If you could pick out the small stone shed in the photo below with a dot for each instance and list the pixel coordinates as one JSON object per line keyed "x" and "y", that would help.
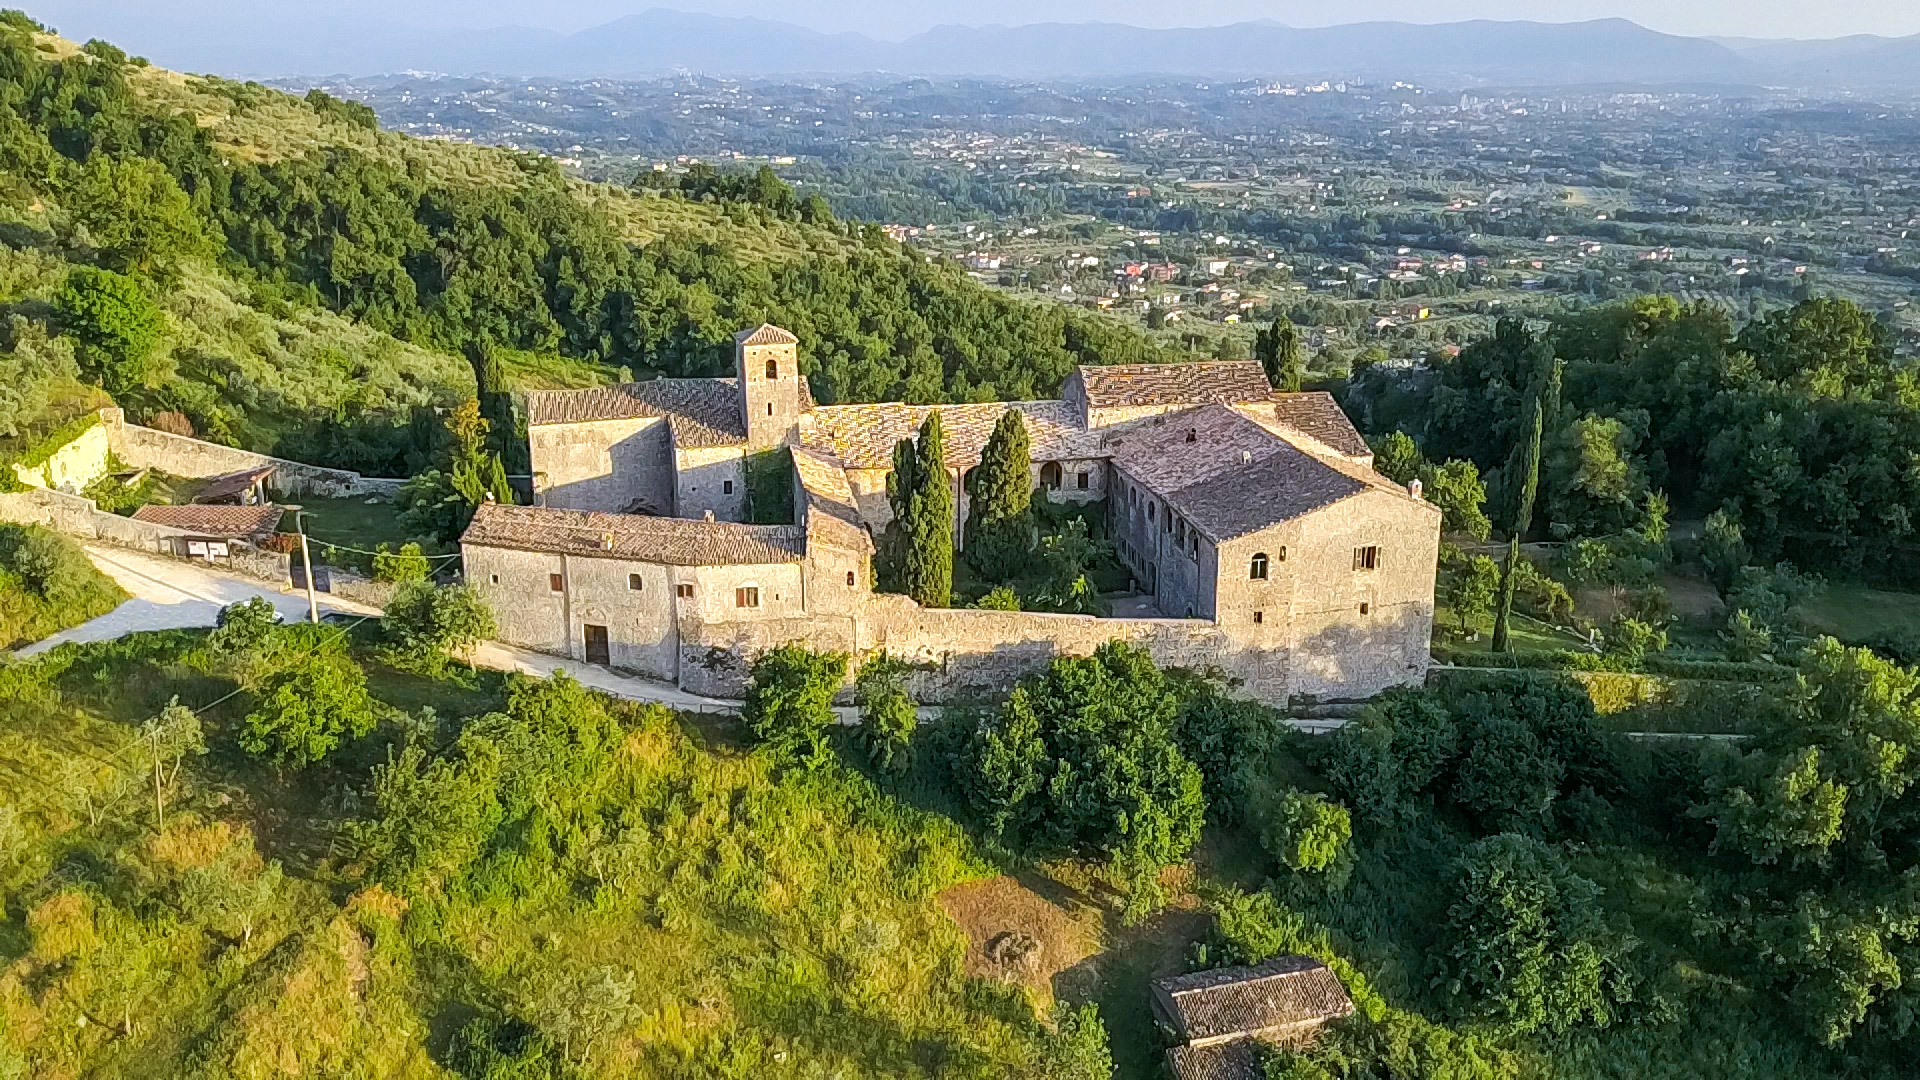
{"x": 213, "y": 528}
{"x": 1219, "y": 1018}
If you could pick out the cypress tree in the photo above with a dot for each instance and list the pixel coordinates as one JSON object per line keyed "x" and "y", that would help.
{"x": 1545, "y": 397}
{"x": 923, "y": 516}
{"x": 1279, "y": 351}
{"x": 1000, "y": 493}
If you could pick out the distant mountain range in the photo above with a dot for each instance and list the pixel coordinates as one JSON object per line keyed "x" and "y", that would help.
{"x": 663, "y": 41}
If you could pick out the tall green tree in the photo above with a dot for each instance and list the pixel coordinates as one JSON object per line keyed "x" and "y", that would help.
{"x": 118, "y": 326}
{"x": 135, "y": 214}
{"x": 922, "y": 499}
{"x": 1525, "y": 471}
{"x": 1281, "y": 352}
{"x": 1000, "y": 530}
{"x": 440, "y": 502}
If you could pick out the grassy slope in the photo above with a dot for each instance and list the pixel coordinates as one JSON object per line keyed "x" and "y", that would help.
{"x": 81, "y": 592}
{"x": 778, "y": 926}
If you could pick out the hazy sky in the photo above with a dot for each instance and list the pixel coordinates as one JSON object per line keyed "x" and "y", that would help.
{"x": 899, "y": 18}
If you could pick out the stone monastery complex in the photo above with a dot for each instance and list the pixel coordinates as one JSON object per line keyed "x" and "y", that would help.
{"x": 1252, "y": 519}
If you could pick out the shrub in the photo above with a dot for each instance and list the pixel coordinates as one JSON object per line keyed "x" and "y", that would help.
{"x": 1630, "y": 640}
{"x": 790, "y": 704}
{"x": 1081, "y": 759}
{"x": 305, "y": 712}
{"x": 1000, "y": 598}
{"x": 47, "y": 584}
{"x": 1307, "y": 833}
{"x": 429, "y": 623}
{"x": 242, "y": 628}
{"x": 1393, "y": 751}
{"x": 1527, "y": 945}
{"x": 888, "y": 715}
{"x": 401, "y": 567}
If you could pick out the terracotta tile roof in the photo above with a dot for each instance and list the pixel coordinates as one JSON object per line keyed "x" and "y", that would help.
{"x": 232, "y": 484}
{"x": 702, "y": 412}
{"x": 833, "y": 514}
{"x": 863, "y": 436}
{"x": 1237, "y": 1060}
{"x": 1212, "y": 382}
{"x": 765, "y": 334}
{"x": 1282, "y": 992}
{"x": 234, "y": 521}
{"x": 1318, "y": 415}
{"x": 1235, "y": 477}
{"x": 672, "y": 541}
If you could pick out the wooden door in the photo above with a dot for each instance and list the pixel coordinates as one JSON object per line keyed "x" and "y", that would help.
{"x": 597, "y": 645}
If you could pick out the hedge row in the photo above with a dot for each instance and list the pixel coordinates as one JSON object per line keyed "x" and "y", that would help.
{"x": 1633, "y": 701}
{"x": 1574, "y": 660}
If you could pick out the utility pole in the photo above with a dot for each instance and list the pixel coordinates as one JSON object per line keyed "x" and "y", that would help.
{"x": 306, "y": 560}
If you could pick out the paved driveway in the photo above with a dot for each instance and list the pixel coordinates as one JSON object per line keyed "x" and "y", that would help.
{"x": 169, "y": 594}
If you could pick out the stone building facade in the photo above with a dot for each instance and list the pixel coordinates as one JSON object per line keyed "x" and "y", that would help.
{"x": 1253, "y": 519}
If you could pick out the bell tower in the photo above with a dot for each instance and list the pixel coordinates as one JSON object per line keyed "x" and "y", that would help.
{"x": 766, "y": 361}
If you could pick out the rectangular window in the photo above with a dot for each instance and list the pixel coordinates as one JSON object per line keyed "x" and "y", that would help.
{"x": 557, "y": 582}
{"x": 726, "y": 487}
{"x": 634, "y": 582}
{"x": 493, "y": 579}
{"x": 849, "y": 579}
{"x": 684, "y": 592}
{"x": 1259, "y": 617}
{"x": 747, "y": 596}
{"x": 1366, "y": 558}
{"x": 1082, "y": 480}
{"x": 1365, "y": 608}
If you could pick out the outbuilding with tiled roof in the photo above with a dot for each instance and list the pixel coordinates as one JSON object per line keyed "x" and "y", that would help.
{"x": 1218, "y": 1017}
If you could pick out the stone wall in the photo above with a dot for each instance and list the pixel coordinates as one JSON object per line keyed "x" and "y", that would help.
{"x": 711, "y": 479}
{"x": 80, "y": 518}
{"x": 72, "y": 467}
{"x": 145, "y": 448}
{"x": 609, "y": 465}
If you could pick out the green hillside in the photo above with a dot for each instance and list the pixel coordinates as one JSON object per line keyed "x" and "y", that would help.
{"x": 284, "y": 275}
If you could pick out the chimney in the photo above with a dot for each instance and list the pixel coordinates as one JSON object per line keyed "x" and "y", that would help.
{"x": 1246, "y": 457}
{"x": 706, "y": 515}
{"x": 606, "y": 541}
{"x": 1414, "y": 487}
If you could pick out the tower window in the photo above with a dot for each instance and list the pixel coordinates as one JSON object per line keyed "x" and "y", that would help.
{"x": 1365, "y": 608}
{"x": 769, "y": 408}
{"x": 634, "y": 582}
{"x": 1083, "y": 479}
{"x": 1258, "y": 570}
{"x": 557, "y": 582}
{"x": 849, "y": 579}
{"x": 1193, "y": 435}
{"x": 726, "y": 487}
{"x": 773, "y": 369}
{"x": 1366, "y": 558}
{"x": 684, "y": 592}
{"x": 1259, "y": 617}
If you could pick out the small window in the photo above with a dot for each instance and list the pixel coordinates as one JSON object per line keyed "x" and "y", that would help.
{"x": 1180, "y": 532}
{"x": 1196, "y": 544}
{"x": 1149, "y": 511}
{"x": 684, "y": 592}
{"x": 769, "y": 408}
{"x": 1365, "y": 608}
{"x": 747, "y": 596}
{"x": 634, "y": 582}
{"x": 849, "y": 579}
{"x": 493, "y": 579}
{"x": 1366, "y": 558}
{"x": 773, "y": 369}
{"x": 1258, "y": 570}
{"x": 1082, "y": 481}
{"x": 1259, "y": 617}
{"x": 1283, "y": 554}
{"x": 1193, "y": 435}
{"x": 726, "y": 487}
{"x": 557, "y": 582}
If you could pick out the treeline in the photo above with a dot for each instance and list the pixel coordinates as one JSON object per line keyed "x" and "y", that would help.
{"x": 525, "y": 263}
{"x": 1797, "y": 431}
